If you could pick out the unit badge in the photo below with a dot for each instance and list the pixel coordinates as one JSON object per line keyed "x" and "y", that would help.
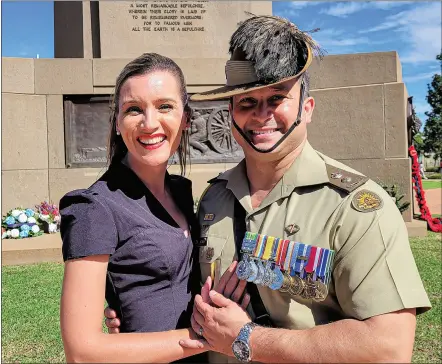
{"x": 209, "y": 253}
{"x": 367, "y": 201}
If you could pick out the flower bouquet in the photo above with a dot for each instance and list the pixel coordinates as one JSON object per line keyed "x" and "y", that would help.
{"x": 21, "y": 223}
{"x": 50, "y": 217}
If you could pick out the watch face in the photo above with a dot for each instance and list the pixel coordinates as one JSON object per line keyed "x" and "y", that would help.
{"x": 241, "y": 350}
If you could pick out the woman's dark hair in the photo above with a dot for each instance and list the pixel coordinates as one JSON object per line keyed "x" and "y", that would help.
{"x": 147, "y": 63}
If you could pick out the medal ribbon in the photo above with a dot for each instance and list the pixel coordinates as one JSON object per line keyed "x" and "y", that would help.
{"x": 275, "y": 249}
{"x": 329, "y": 266}
{"x": 288, "y": 256}
{"x": 294, "y": 258}
{"x": 313, "y": 259}
{"x": 279, "y": 250}
{"x": 249, "y": 242}
{"x": 323, "y": 264}
{"x": 283, "y": 252}
{"x": 299, "y": 261}
{"x": 258, "y": 245}
{"x": 268, "y": 248}
{"x": 305, "y": 253}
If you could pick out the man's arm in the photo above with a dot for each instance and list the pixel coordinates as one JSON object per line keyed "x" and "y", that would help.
{"x": 384, "y": 338}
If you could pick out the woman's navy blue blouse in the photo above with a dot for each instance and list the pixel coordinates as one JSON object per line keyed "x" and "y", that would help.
{"x": 152, "y": 271}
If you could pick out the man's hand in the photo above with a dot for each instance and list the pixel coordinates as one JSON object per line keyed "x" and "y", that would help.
{"x": 220, "y": 322}
{"x": 229, "y": 285}
{"x": 112, "y": 322}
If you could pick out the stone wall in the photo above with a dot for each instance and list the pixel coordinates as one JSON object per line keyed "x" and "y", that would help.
{"x": 360, "y": 119}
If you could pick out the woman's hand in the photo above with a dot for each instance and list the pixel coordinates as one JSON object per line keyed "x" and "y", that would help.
{"x": 229, "y": 286}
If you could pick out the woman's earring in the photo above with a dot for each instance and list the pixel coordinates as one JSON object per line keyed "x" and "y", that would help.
{"x": 118, "y": 132}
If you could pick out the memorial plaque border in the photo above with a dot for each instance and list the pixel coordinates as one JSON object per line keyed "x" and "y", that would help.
{"x": 211, "y": 140}
{"x": 69, "y": 102}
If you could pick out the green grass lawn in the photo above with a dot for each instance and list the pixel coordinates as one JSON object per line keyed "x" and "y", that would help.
{"x": 31, "y": 296}
{"x": 429, "y": 184}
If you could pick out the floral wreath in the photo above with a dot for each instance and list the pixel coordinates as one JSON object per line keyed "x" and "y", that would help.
{"x": 434, "y": 223}
{"x": 22, "y": 223}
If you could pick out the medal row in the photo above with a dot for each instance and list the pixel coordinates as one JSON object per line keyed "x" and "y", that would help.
{"x": 284, "y": 265}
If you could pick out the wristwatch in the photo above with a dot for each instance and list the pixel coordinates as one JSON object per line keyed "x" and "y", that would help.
{"x": 241, "y": 347}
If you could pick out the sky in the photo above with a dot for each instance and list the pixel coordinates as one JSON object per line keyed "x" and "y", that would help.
{"x": 413, "y": 29}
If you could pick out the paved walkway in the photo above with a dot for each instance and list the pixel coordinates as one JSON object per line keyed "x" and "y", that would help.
{"x": 434, "y": 200}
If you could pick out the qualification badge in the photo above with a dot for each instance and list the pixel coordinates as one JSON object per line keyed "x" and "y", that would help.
{"x": 366, "y": 201}
{"x": 209, "y": 217}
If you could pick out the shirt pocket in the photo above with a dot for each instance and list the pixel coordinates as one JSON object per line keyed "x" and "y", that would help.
{"x": 210, "y": 257}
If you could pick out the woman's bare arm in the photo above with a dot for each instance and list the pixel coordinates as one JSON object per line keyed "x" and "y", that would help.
{"x": 81, "y": 313}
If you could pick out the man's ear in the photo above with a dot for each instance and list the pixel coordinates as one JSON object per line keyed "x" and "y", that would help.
{"x": 309, "y": 106}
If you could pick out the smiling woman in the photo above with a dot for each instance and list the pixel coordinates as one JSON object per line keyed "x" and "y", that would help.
{"x": 127, "y": 238}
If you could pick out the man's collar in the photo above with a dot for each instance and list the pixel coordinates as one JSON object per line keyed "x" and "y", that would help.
{"x": 307, "y": 170}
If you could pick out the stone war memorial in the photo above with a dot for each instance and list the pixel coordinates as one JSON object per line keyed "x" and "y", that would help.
{"x": 63, "y": 123}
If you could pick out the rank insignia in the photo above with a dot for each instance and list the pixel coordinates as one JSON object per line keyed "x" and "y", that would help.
{"x": 336, "y": 175}
{"x": 366, "y": 201}
{"x": 209, "y": 217}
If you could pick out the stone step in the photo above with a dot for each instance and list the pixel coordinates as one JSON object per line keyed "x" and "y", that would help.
{"x": 44, "y": 248}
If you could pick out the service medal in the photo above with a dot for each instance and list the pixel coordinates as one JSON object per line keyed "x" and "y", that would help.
{"x": 321, "y": 291}
{"x": 268, "y": 275}
{"x": 286, "y": 283}
{"x": 278, "y": 278}
{"x": 309, "y": 291}
{"x": 260, "y": 276}
{"x": 253, "y": 271}
{"x": 243, "y": 268}
{"x": 297, "y": 286}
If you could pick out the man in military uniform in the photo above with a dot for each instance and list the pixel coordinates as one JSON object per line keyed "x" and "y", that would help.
{"x": 365, "y": 309}
{"x": 286, "y": 189}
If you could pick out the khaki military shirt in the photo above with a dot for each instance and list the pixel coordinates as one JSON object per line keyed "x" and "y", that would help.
{"x": 374, "y": 271}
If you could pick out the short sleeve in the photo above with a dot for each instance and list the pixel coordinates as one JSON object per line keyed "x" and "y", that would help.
{"x": 87, "y": 226}
{"x": 375, "y": 272}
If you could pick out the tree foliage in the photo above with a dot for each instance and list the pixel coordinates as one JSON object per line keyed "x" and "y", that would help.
{"x": 418, "y": 142}
{"x": 432, "y": 133}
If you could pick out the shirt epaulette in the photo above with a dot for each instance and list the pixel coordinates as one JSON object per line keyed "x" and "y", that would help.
{"x": 344, "y": 180}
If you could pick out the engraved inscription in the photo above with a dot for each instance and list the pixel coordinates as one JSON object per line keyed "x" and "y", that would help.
{"x": 167, "y": 16}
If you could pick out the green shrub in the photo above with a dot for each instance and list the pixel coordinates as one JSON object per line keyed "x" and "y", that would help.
{"x": 434, "y": 176}
{"x": 432, "y": 169}
{"x": 393, "y": 191}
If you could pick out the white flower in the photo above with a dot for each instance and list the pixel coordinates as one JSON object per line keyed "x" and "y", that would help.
{"x": 22, "y": 218}
{"x": 44, "y": 217}
{"x": 35, "y": 229}
{"x": 32, "y": 220}
{"x": 4, "y": 235}
{"x": 8, "y": 232}
{"x": 15, "y": 233}
{"x": 57, "y": 218}
{"x": 52, "y": 228}
{"x": 15, "y": 213}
